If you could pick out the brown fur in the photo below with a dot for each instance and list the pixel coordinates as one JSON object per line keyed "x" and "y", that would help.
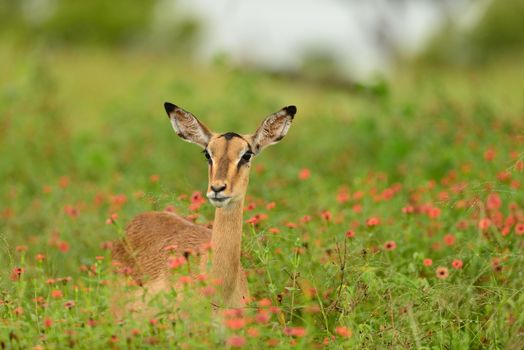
{"x": 143, "y": 249}
{"x": 147, "y": 236}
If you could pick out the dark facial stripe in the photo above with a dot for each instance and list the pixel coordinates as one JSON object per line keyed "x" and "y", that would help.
{"x": 230, "y": 135}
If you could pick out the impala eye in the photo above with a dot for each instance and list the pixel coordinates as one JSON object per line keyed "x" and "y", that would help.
{"x": 247, "y": 156}
{"x": 207, "y": 155}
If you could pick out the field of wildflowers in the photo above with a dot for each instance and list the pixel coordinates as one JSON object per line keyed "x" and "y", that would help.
{"x": 389, "y": 217}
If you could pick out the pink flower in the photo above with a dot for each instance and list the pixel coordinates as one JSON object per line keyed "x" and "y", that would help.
{"x": 176, "y": 262}
{"x": 408, "y": 209}
{"x": 442, "y": 272}
{"x": 236, "y": 341}
{"x": 484, "y": 223}
{"x": 295, "y": 331}
{"x": 185, "y": 279}
{"x": 262, "y": 317}
{"x": 390, "y": 245}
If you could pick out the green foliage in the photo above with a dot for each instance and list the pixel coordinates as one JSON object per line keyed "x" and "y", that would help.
{"x": 83, "y": 136}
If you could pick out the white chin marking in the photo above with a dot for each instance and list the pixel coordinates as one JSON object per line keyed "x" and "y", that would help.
{"x": 220, "y": 204}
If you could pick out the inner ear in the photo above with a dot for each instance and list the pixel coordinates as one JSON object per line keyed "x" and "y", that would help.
{"x": 273, "y": 128}
{"x": 187, "y": 126}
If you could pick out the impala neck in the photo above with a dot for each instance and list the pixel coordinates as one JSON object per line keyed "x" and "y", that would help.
{"x": 226, "y": 241}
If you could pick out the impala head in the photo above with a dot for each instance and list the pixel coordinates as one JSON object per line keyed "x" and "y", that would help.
{"x": 229, "y": 154}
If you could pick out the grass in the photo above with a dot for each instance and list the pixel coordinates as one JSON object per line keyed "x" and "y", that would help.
{"x": 429, "y": 166}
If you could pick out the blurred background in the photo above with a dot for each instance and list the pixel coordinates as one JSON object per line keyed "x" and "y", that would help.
{"x": 334, "y": 40}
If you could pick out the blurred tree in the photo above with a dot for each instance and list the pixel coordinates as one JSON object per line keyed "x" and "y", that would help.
{"x": 79, "y": 22}
{"x": 98, "y": 21}
{"x": 499, "y": 32}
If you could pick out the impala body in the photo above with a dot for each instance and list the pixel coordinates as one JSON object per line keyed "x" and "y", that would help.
{"x": 145, "y": 248}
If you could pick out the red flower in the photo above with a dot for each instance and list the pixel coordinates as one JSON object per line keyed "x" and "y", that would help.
{"x": 185, "y": 279}
{"x": 449, "y": 239}
{"x": 262, "y": 317}
{"x": 16, "y": 273}
{"x": 63, "y": 181}
{"x": 235, "y": 323}
{"x": 326, "y": 215}
{"x": 493, "y": 202}
{"x": 434, "y": 212}
{"x": 71, "y": 211}
{"x": 373, "y": 221}
{"x": 63, "y": 246}
{"x": 427, "y": 262}
{"x": 350, "y": 234}
{"x": 343, "y": 196}
{"x": 305, "y": 219}
{"x": 40, "y": 257}
{"x": 519, "y": 229}
{"x": 291, "y": 224}
{"x": 48, "y": 322}
{"x": 496, "y": 264}
{"x": 457, "y": 264}
{"x": 489, "y": 155}
{"x": 265, "y": 302}
{"x": 253, "y": 332}
{"x": 343, "y": 331}
{"x": 254, "y": 220}
{"x": 304, "y": 174}
{"x": 57, "y": 294}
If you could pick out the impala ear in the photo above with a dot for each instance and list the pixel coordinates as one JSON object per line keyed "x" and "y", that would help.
{"x": 187, "y": 126}
{"x": 273, "y": 128}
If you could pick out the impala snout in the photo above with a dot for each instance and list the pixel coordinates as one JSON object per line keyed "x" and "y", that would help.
{"x": 217, "y": 188}
{"x": 218, "y": 195}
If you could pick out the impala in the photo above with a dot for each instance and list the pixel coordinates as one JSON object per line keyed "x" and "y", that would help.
{"x": 145, "y": 248}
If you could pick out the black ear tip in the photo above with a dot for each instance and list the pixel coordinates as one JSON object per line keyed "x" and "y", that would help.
{"x": 291, "y": 110}
{"x": 169, "y": 107}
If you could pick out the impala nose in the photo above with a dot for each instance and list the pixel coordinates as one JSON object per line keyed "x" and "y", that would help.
{"x": 218, "y": 188}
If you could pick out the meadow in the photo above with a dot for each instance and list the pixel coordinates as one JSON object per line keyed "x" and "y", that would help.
{"x": 390, "y": 216}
